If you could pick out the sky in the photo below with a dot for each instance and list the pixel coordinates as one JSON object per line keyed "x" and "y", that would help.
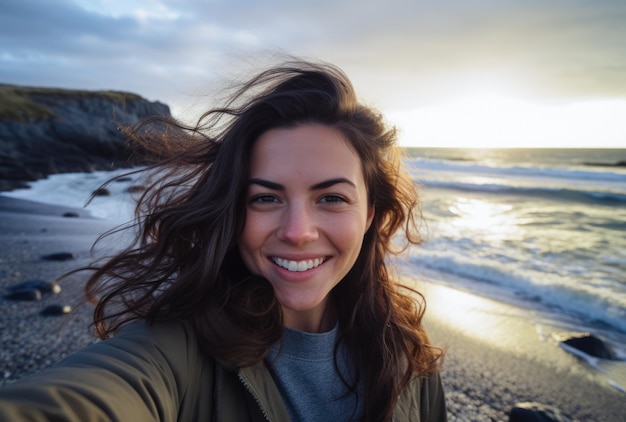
{"x": 447, "y": 73}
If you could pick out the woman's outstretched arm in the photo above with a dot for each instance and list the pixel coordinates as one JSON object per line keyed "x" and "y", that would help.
{"x": 142, "y": 374}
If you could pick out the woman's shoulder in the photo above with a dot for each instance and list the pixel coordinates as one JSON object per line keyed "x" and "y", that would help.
{"x": 173, "y": 342}
{"x": 156, "y": 334}
{"x": 161, "y": 350}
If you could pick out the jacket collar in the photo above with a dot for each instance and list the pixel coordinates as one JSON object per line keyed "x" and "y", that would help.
{"x": 260, "y": 383}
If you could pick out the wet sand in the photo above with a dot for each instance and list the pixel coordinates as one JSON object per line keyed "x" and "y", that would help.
{"x": 497, "y": 355}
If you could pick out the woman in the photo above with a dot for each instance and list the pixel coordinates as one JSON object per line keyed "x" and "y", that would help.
{"x": 257, "y": 286}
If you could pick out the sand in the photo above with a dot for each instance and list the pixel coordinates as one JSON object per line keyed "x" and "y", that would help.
{"x": 497, "y": 354}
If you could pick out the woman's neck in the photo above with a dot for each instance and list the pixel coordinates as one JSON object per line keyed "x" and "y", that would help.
{"x": 319, "y": 320}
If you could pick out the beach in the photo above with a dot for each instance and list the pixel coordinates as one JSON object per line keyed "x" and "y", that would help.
{"x": 28, "y": 232}
{"x": 496, "y": 356}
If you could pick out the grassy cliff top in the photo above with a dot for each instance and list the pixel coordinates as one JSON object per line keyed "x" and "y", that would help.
{"x": 16, "y": 102}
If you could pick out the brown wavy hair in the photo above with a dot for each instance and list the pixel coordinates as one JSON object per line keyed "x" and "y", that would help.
{"x": 184, "y": 261}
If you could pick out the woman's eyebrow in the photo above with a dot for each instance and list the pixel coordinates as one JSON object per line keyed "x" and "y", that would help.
{"x": 265, "y": 184}
{"x": 332, "y": 182}
{"x": 318, "y": 186}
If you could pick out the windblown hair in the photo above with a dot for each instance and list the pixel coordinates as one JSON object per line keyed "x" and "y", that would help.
{"x": 184, "y": 262}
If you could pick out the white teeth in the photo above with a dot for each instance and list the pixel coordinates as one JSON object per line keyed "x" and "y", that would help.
{"x": 298, "y": 265}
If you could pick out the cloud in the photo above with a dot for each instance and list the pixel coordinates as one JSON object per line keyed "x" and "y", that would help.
{"x": 398, "y": 52}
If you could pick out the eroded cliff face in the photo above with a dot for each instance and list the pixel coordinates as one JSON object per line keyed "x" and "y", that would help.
{"x": 45, "y": 131}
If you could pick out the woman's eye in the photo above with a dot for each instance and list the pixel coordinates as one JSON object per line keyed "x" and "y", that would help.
{"x": 264, "y": 199}
{"x": 332, "y": 199}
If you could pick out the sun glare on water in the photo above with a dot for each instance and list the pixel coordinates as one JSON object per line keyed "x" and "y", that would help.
{"x": 490, "y": 219}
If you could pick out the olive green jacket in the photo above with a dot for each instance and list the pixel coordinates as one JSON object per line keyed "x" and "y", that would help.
{"x": 158, "y": 373}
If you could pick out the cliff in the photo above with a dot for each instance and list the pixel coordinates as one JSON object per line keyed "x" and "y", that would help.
{"x": 45, "y": 131}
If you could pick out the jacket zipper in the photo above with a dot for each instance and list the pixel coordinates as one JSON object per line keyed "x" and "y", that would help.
{"x": 256, "y": 398}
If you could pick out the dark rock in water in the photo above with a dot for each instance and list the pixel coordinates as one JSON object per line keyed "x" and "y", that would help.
{"x": 41, "y": 285}
{"x": 536, "y": 412}
{"x": 25, "y": 294}
{"x": 71, "y": 215}
{"x": 592, "y": 346}
{"x": 56, "y": 310}
{"x": 101, "y": 192}
{"x": 60, "y": 256}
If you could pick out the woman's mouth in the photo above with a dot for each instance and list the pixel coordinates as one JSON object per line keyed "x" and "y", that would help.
{"x": 298, "y": 266}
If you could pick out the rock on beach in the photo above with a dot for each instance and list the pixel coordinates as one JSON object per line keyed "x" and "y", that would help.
{"x": 591, "y": 346}
{"x": 536, "y": 412}
{"x": 32, "y": 290}
{"x": 59, "y": 256}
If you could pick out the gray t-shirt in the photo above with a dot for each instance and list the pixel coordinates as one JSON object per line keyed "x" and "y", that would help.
{"x": 306, "y": 376}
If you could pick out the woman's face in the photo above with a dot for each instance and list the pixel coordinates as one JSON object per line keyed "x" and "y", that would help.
{"x": 306, "y": 214}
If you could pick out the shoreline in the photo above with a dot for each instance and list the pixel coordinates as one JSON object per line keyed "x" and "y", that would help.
{"x": 497, "y": 354}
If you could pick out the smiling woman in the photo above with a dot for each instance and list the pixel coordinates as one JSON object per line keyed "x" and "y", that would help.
{"x": 258, "y": 273}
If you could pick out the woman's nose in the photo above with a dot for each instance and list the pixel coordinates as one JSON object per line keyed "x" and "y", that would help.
{"x": 298, "y": 225}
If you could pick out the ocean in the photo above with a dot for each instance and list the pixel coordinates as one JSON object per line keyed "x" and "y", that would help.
{"x": 542, "y": 228}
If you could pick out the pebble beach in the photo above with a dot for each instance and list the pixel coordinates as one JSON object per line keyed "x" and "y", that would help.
{"x": 495, "y": 356}
{"x": 28, "y": 232}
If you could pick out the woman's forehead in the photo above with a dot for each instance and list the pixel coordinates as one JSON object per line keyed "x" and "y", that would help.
{"x": 312, "y": 149}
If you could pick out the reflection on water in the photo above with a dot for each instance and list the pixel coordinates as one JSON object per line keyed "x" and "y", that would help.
{"x": 569, "y": 256}
{"x": 490, "y": 218}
